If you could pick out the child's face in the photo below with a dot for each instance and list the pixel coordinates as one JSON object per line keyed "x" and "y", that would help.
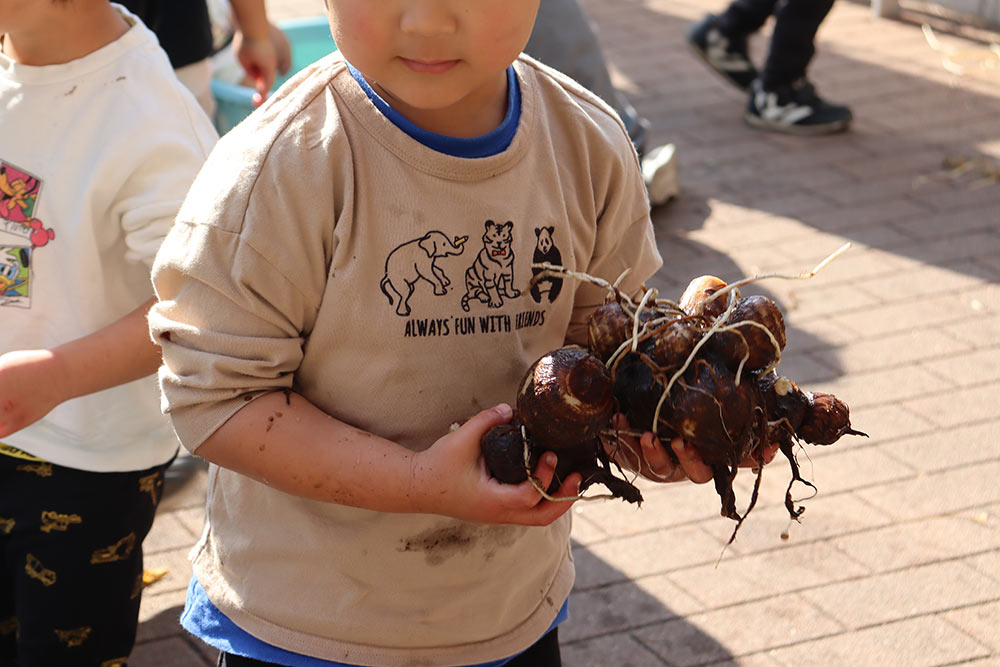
{"x": 441, "y": 63}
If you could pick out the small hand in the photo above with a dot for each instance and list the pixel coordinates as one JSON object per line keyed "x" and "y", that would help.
{"x": 259, "y": 60}
{"x": 455, "y": 480}
{"x": 651, "y": 459}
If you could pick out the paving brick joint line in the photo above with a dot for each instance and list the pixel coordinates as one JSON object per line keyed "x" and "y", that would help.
{"x": 897, "y": 561}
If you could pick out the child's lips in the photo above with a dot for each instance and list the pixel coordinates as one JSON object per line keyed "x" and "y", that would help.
{"x": 422, "y": 66}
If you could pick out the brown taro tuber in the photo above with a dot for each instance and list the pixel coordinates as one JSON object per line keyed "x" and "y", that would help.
{"x": 566, "y": 399}
{"x": 720, "y": 392}
{"x": 702, "y": 368}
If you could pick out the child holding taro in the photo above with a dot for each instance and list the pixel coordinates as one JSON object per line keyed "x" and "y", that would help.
{"x": 99, "y": 143}
{"x": 347, "y": 277}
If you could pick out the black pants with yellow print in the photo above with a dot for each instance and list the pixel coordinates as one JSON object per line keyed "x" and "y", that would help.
{"x": 71, "y": 551}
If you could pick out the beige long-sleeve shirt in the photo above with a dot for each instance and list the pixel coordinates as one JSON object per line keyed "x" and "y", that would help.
{"x": 324, "y": 250}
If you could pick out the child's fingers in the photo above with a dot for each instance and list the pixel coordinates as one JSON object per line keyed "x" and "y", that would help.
{"x": 768, "y": 452}
{"x": 487, "y": 419}
{"x": 619, "y": 421}
{"x": 547, "y": 511}
{"x": 260, "y": 84}
{"x": 545, "y": 470}
{"x": 658, "y": 459}
{"x": 525, "y": 505}
{"x": 693, "y": 466}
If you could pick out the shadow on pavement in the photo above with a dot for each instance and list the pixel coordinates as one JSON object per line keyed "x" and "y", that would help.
{"x": 162, "y": 643}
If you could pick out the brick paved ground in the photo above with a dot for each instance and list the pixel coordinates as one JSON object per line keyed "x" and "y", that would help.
{"x": 897, "y": 560}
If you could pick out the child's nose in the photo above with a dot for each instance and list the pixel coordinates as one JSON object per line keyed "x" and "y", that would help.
{"x": 429, "y": 18}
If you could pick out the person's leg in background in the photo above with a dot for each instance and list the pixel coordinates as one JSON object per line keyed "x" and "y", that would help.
{"x": 745, "y": 17}
{"x": 721, "y": 40}
{"x": 780, "y": 97}
{"x": 793, "y": 41}
{"x": 72, "y": 554}
{"x": 565, "y": 39}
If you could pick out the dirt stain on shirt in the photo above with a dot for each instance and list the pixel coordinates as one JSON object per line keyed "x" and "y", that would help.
{"x": 440, "y": 544}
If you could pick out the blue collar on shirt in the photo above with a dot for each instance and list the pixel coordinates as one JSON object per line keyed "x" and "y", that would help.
{"x": 492, "y": 143}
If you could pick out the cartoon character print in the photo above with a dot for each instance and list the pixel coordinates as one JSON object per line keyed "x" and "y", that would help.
{"x": 19, "y": 192}
{"x": 14, "y": 276}
{"x": 18, "y": 197}
{"x": 491, "y": 276}
{"x": 416, "y": 260}
{"x": 545, "y": 252}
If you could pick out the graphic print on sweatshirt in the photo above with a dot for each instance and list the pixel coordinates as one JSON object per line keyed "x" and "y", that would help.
{"x": 493, "y": 281}
{"x": 415, "y": 261}
{"x": 490, "y": 279}
{"x": 20, "y": 233}
{"x": 546, "y": 252}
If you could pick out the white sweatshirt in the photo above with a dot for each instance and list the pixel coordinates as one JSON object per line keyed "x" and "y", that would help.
{"x": 96, "y": 156}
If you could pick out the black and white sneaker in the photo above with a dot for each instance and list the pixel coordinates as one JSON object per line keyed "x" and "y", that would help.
{"x": 794, "y": 109}
{"x": 725, "y": 55}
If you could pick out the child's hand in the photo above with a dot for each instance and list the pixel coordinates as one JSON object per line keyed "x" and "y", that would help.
{"x": 29, "y": 388}
{"x": 648, "y": 457}
{"x": 456, "y": 483}
{"x": 651, "y": 459}
{"x": 259, "y": 60}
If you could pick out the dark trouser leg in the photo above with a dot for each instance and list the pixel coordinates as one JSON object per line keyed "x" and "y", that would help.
{"x": 231, "y": 660}
{"x": 74, "y": 557}
{"x": 745, "y": 17}
{"x": 543, "y": 653}
{"x": 793, "y": 41}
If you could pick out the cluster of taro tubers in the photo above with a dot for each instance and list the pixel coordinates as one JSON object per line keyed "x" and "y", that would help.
{"x": 701, "y": 368}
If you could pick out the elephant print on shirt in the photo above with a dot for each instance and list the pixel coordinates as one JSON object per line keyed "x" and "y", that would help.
{"x": 416, "y": 260}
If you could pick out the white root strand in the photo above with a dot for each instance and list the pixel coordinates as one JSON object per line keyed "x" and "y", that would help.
{"x": 554, "y": 270}
{"x": 543, "y": 492}
{"x": 639, "y": 457}
{"x": 619, "y": 279}
{"x": 784, "y": 276}
{"x": 635, "y": 318}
